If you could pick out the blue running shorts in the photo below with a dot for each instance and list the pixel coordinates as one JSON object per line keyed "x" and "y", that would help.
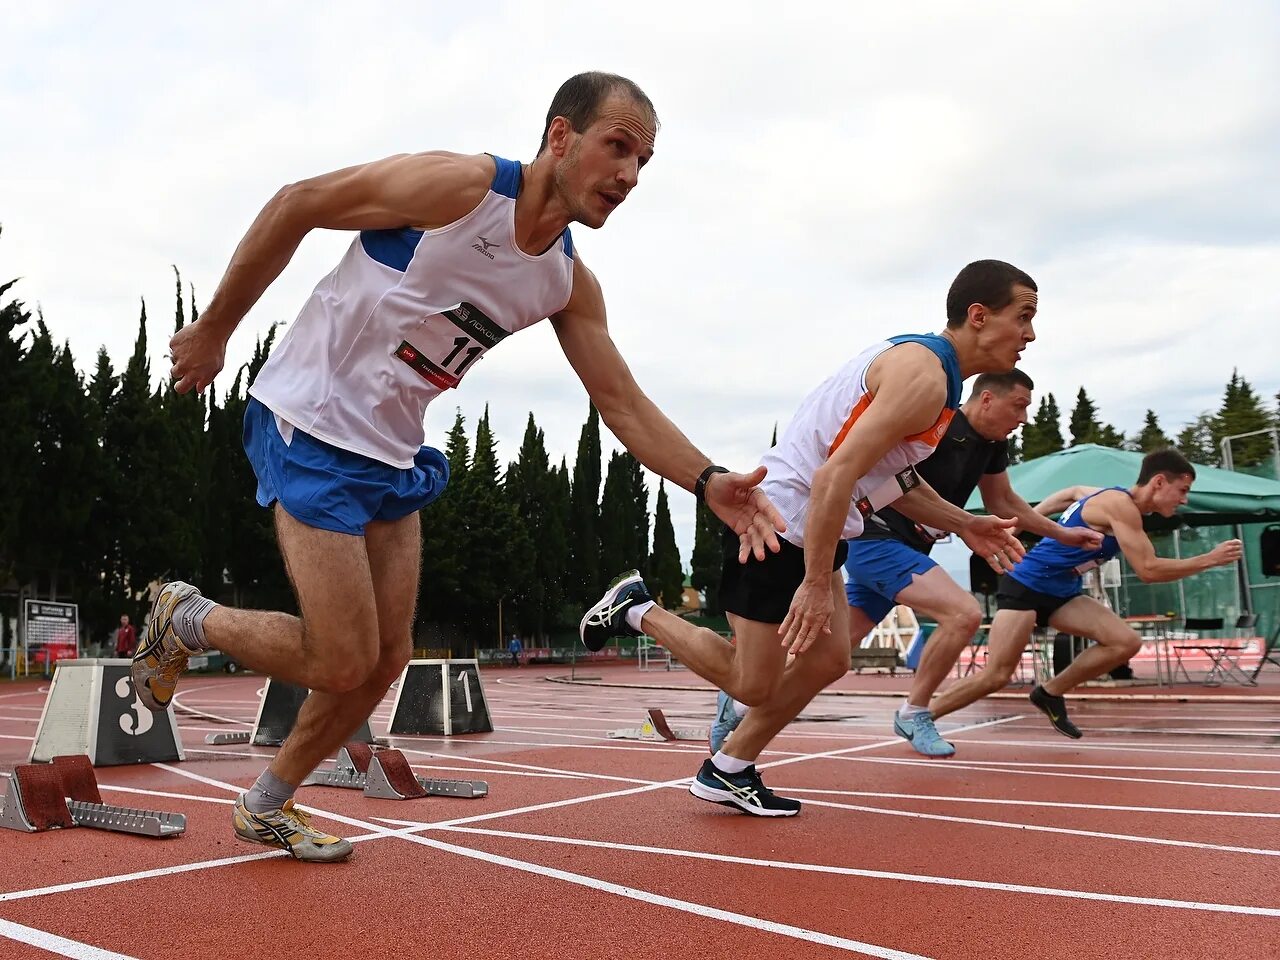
{"x": 329, "y": 488}
{"x": 878, "y": 571}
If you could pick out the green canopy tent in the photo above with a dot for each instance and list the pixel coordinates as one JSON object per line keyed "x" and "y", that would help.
{"x": 1219, "y": 498}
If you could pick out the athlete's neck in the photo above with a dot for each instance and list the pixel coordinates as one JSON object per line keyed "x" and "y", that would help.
{"x": 540, "y": 214}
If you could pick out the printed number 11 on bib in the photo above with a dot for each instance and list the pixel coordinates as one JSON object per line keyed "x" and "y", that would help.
{"x": 449, "y": 343}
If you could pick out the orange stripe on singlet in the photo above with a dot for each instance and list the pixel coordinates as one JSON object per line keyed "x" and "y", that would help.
{"x": 933, "y": 436}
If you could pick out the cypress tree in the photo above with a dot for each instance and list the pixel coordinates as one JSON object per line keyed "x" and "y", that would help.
{"x": 666, "y": 577}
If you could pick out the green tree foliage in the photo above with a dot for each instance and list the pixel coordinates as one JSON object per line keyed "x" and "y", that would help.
{"x": 708, "y": 556}
{"x": 1150, "y": 437}
{"x": 1195, "y": 441}
{"x": 624, "y": 517}
{"x": 1043, "y": 434}
{"x": 585, "y": 580}
{"x": 666, "y": 577}
{"x": 1242, "y": 412}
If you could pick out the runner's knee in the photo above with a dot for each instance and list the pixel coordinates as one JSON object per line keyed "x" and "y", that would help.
{"x": 964, "y": 620}
{"x": 755, "y": 690}
{"x": 339, "y": 661}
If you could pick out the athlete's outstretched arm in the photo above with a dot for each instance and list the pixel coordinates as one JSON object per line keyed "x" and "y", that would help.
{"x": 924, "y": 505}
{"x": 1059, "y": 500}
{"x": 1118, "y": 511}
{"x": 999, "y": 497}
{"x": 645, "y": 430}
{"x": 408, "y": 190}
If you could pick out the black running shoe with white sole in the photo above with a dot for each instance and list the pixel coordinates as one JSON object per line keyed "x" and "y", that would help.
{"x": 608, "y": 618}
{"x": 1055, "y": 708}
{"x": 744, "y": 791}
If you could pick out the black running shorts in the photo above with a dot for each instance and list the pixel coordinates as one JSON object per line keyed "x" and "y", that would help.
{"x": 1012, "y": 595}
{"x": 762, "y": 590}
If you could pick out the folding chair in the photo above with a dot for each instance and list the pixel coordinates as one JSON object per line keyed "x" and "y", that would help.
{"x": 1224, "y": 655}
{"x": 1270, "y": 653}
{"x": 1202, "y": 644}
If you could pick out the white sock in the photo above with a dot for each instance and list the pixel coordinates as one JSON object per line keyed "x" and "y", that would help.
{"x": 636, "y": 614}
{"x": 907, "y": 710}
{"x": 727, "y": 764}
{"x": 740, "y": 708}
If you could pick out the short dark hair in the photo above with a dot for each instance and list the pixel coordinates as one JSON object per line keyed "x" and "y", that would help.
{"x": 1168, "y": 463}
{"x": 1002, "y": 383}
{"x": 579, "y": 98}
{"x": 988, "y": 282}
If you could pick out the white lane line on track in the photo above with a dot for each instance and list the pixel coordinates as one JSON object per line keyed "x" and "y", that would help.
{"x": 1056, "y": 765}
{"x": 52, "y": 943}
{"x": 1041, "y": 828}
{"x": 1057, "y": 744}
{"x": 1053, "y": 804}
{"x": 878, "y": 874}
{"x": 952, "y": 765}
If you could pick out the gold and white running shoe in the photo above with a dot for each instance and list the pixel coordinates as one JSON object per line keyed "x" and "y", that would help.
{"x": 161, "y": 657}
{"x": 288, "y": 828}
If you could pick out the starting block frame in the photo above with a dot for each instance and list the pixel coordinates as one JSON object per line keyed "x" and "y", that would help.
{"x": 656, "y": 728}
{"x": 380, "y": 774}
{"x": 47, "y": 796}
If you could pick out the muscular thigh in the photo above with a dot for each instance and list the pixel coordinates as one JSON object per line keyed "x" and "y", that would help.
{"x": 1085, "y": 617}
{"x": 395, "y": 557}
{"x": 1009, "y": 634}
{"x": 936, "y": 595}
{"x": 330, "y": 576}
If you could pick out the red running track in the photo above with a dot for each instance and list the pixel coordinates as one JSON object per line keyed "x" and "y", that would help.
{"x": 1155, "y": 836}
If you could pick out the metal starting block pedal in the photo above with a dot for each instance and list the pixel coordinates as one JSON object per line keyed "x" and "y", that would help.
{"x": 47, "y": 796}
{"x": 655, "y": 727}
{"x": 386, "y": 774}
{"x": 243, "y": 736}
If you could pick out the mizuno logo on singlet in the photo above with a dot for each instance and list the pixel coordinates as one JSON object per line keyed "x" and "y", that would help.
{"x": 487, "y": 246}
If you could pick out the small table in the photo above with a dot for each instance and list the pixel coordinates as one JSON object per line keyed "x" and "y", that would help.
{"x": 1155, "y": 625}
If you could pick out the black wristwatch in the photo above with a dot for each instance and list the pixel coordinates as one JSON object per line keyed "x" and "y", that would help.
{"x": 700, "y": 485}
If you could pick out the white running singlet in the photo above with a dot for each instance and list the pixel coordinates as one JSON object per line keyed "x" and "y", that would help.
{"x": 821, "y": 425}
{"x": 403, "y": 317}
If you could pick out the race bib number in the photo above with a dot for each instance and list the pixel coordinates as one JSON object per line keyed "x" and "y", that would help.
{"x": 449, "y": 344}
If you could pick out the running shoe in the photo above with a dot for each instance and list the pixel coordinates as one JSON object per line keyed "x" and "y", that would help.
{"x": 161, "y": 657}
{"x": 608, "y": 618}
{"x": 921, "y": 733}
{"x": 743, "y": 791}
{"x": 288, "y": 828}
{"x": 1055, "y": 708}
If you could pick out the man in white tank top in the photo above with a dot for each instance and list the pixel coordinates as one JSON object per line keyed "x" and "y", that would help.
{"x": 455, "y": 254}
{"x": 849, "y": 450}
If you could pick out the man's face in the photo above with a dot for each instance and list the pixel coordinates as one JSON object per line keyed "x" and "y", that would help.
{"x": 1003, "y": 414}
{"x": 1168, "y": 495}
{"x": 124, "y": 620}
{"x": 600, "y": 166}
{"x": 1005, "y": 333}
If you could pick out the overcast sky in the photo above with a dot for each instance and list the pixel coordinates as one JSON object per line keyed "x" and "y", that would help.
{"x": 822, "y": 172}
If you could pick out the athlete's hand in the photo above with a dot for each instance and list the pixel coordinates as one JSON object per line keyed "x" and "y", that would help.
{"x": 1081, "y": 537}
{"x": 992, "y": 539}
{"x": 809, "y": 616}
{"x": 1228, "y": 551}
{"x": 198, "y": 352}
{"x": 737, "y": 499}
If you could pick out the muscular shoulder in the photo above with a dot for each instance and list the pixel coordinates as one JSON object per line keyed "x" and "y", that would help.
{"x": 1109, "y": 506}
{"x": 452, "y": 184}
{"x": 911, "y": 368}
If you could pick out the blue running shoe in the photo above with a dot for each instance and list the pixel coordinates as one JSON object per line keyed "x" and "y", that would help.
{"x": 727, "y": 721}
{"x": 920, "y": 732}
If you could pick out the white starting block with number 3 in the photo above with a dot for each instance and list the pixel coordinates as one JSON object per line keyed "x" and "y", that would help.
{"x": 93, "y": 709}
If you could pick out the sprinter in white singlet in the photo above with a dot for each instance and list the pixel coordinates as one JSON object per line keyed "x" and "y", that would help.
{"x": 454, "y": 254}
{"x": 849, "y": 451}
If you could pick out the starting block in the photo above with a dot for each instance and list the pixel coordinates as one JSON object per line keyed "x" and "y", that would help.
{"x": 386, "y": 774}
{"x": 277, "y": 714}
{"x": 219, "y": 739}
{"x": 47, "y": 796}
{"x": 655, "y": 727}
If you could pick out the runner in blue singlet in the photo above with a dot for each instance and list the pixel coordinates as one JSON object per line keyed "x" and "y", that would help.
{"x": 1044, "y": 589}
